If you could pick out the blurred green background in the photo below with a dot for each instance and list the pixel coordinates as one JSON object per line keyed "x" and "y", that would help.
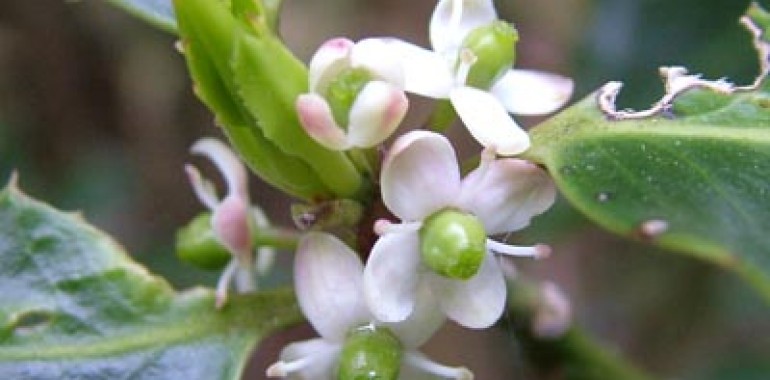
{"x": 96, "y": 114}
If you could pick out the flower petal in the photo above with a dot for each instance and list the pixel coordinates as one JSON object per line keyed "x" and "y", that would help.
{"x": 327, "y": 277}
{"x": 474, "y": 303}
{"x": 488, "y": 121}
{"x": 327, "y": 62}
{"x": 425, "y": 319}
{"x": 452, "y": 20}
{"x": 317, "y": 119}
{"x": 228, "y": 164}
{"x": 391, "y": 276}
{"x": 420, "y": 175}
{"x": 309, "y": 359}
{"x": 230, "y": 223}
{"x": 528, "y": 92}
{"x": 425, "y": 72}
{"x": 506, "y": 193}
{"x": 374, "y": 55}
{"x": 375, "y": 114}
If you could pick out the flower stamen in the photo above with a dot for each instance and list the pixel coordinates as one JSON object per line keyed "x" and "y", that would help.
{"x": 284, "y": 368}
{"x": 465, "y": 63}
{"x": 538, "y": 251}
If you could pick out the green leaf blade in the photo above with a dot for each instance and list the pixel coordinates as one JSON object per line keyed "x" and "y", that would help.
{"x": 74, "y": 305}
{"x": 700, "y": 175}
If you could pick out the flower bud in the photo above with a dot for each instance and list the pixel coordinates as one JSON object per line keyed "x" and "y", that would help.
{"x": 370, "y": 353}
{"x": 197, "y": 245}
{"x": 493, "y": 45}
{"x": 343, "y": 90}
{"x": 453, "y": 243}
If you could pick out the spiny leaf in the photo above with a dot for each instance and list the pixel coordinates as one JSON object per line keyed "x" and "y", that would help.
{"x": 74, "y": 305}
{"x": 692, "y": 176}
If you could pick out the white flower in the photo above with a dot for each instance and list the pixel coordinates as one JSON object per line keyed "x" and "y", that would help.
{"x": 232, "y": 217}
{"x": 365, "y": 86}
{"x": 420, "y": 179}
{"x": 442, "y": 73}
{"x": 328, "y": 282}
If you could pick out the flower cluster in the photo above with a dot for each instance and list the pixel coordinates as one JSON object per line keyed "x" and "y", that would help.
{"x": 435, "y": 256}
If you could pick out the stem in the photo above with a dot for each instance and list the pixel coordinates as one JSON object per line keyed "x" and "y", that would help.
{"x": 277, "y": 237}
{"x": 442, "y": 117}
{"x": 574, "y": 355}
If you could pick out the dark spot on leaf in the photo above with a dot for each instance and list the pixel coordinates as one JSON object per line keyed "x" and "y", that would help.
{"x": 32, "y": 321}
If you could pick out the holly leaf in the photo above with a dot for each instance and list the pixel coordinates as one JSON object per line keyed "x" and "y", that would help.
{"x": 74, "y": 305}
{"x": 691, "y": 174}
{"x": 159, "y": 13}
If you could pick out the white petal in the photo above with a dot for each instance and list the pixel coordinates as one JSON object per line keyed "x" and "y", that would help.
{"x": 374, "y": 55}
{"x": 488, "y": 121}
{"x": 425, "y": 72}
{"x": 424, "y": 320}
{"x": 474, "y": 303}
{"x": 506, "y": 193}
{"x": 327, "y": 277}
{"x": 318, "y": 121}
{"x": 391, "y": 276}
{"x": 528, "y": 92}
{"x": 310, "y": 359}
{"x": 452, "y": 20}
{"x": 203, "y": 189}
{"x": 420, "y": 175}
{"x": 228, "y": 164}
{"x": 375, "y": 114}
{"x": 327, "y": 62}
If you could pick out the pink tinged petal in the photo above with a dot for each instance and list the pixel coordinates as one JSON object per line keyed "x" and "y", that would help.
{"x": 375, "y": 114}
{"x": 317, "y": 119}
{"x": 506, "y": 193}
{"x": 327, "y": 277}
{"x": 391, "y": 276}
{"x": 374, "y": 55}
{"x": 452, "y": 20}
{"x": 488, "y": 122}
{"x": 228, "y": 164}
{"x": 426, "y": 318}
{"x": 474, "y": 303}
{"x": 420, "y": 175}
{"x": 310, "y": 359}
{"x": 230, "y": 223}
{"x": 528, "y": 92}
{"x": 425, "y": 72}
{"x": 331, "y": 58}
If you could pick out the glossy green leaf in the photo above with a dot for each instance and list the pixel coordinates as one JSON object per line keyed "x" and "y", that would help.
{"x": 157, "y": 12}
{"x": 694, "y": 178}
{"x": 73, "y": 305}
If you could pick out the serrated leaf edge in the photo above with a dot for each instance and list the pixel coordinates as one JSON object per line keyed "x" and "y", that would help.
{"x": 677, "y": 81}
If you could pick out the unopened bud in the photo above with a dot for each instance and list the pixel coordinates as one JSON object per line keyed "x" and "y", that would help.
{"x": 197, "y": 245}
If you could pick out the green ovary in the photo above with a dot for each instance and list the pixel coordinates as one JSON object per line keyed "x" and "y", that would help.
{"x": 453, "y": 244}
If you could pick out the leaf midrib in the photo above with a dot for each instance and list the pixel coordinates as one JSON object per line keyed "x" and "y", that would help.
{"x": 169, "y": 333}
